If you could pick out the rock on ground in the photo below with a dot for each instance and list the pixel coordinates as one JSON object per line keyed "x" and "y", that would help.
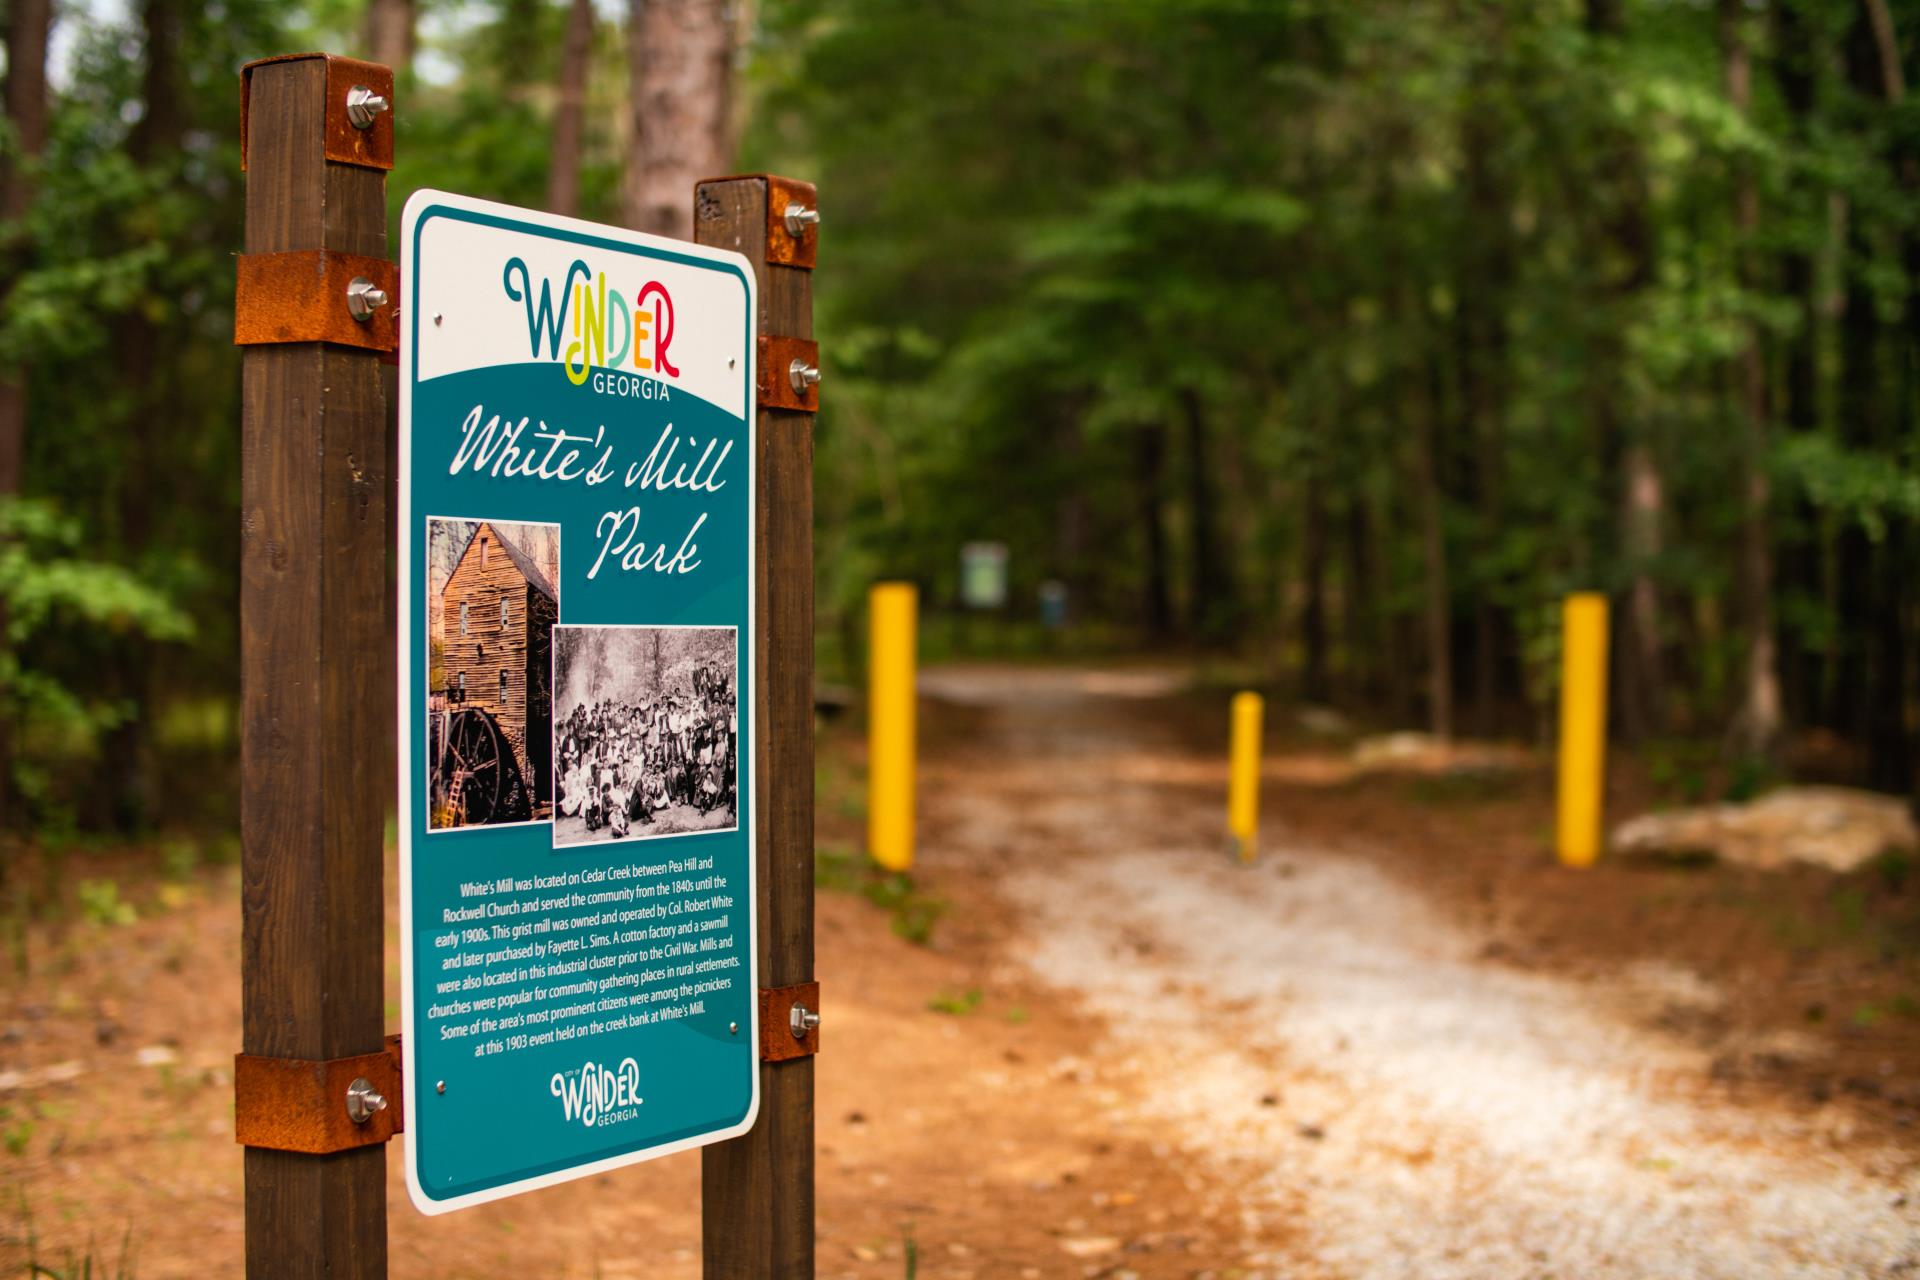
{"x": 1831, "y": 827}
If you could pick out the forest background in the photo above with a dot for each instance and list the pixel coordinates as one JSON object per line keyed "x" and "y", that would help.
{"x": 1340, "y": 340}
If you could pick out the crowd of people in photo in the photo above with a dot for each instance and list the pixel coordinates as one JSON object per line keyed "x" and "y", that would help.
{"x": 625, "y": 763}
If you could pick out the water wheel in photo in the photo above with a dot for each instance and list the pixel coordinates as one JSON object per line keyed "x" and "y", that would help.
{"x": 481, "y": 775}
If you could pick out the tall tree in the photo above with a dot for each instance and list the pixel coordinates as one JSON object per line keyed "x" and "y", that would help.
{"x": 1794, "y": 56}
{"x": 28, "y": 24}
{"x": 1625, "y": 269}
{"x": 390, "y": 33}
{"x": 563, "y": 172}
{"x": 680, "y": 91}
{"x": 1757, "y": 723}
{"x": 1889, "y": 745}
{"x": 1215, "y": 607}
{"x": 1149, "y": 477}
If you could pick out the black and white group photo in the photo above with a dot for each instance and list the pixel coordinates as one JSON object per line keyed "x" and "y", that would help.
{"x": 646, "y": 732}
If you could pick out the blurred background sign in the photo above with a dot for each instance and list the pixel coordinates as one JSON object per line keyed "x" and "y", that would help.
{"x": 983, "y": 575}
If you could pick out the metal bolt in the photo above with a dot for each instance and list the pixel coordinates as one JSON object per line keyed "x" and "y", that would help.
{"x": 363, "y": 1100}
{"x": 799, "y": 218}
{"x": 437, "y": 318}
{"x": 733, "y": 1028}
{"x": 802, "y": 375}
{"x": 364, "y": 106}
{"x": 439, "y": 1086}
{"x": 364, "y": 298}
{"x": 801, "y": 1021}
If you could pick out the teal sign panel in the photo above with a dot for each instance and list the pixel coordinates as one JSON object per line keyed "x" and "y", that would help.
{"x": 576, "y": 819}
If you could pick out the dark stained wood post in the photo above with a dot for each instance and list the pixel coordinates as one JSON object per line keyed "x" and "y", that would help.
{"x": 315, "y": 700}
{"x": 757, "y": 1190}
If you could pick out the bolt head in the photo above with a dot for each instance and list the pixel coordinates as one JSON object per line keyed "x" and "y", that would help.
{"x": 364, "y": 106}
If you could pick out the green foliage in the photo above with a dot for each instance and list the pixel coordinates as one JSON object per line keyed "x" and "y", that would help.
{"x": 53, "y": 598}
{"x": 914, "y": 914}
{"x": 101, "y": 903}
{"x": 1213, "y": 270}
{"x": 956, "y": 1004}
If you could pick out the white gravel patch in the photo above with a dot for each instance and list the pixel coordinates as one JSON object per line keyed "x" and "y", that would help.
{"x": 1312, "y": 1028}
{"x": 1443, "y": 1119}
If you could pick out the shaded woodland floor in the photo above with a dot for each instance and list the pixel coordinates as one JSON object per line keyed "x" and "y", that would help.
{"x": 1082, "y": 1042}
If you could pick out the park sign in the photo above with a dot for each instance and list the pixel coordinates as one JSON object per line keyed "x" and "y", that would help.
{"x": 983, "y": 575}
{"x": 576, "y": 819}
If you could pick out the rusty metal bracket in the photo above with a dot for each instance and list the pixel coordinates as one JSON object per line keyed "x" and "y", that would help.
{"x": 297, "y": 1104}
{"x": 789, "y": 374}
{"x": 791, "y": 240}
{"x": 789, "y": 1022}
{"x": 346, "y": 142}
{"x": 309, "y": 296}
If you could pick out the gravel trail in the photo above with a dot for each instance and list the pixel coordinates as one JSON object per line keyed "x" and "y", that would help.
{"x": 1314, "y": 1027}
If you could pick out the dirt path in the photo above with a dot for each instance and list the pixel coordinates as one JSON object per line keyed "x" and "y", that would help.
{"x": 1120, "y": 1056}
{"x": 1339, "y": 1054}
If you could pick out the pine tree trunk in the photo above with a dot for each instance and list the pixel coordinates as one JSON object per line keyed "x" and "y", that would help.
{"x": 1626, "y": 254}
{"x": 1757, "y": 723}
{"x": 28, "y": 24}
{"x": 146, "y": 365}
{"x": 1433, "y": 548}
{"x": 1800, "y": 562}
{"x": 680, "y": 90}
{"x": 389, "y": 32}
{"x": 1214, "y": 609}
{"x": 1890, "y": 746}
{"x": 1488, "y": 269}
{"x": 563, "y": 163}
{"x": 1149, "y": 469}
{"x": 1313, "y": 607}
{"x": 1360, "y": 643}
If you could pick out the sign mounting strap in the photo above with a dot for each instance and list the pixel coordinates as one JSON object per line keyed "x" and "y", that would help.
{"x": 317, "y": 1107}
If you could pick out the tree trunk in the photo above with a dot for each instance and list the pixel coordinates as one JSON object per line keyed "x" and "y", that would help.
{"x": 1313, "y": 608}
{"x": 1800, "y": 563}
{"x": 389, "y": 33}
{"x": 145, "y": 368}
{"x": 1433, "y": 547}
{"x": 1626, "y": 268}
{"x": 28, "y": 22}
{"x": 1482, "y": 338}
{"x": 1361, "y": 642}
{"x": 1070, "y": 512}
{"x": 1757, "y": 722}
{"x": 1890, "y": 746}
{"x": 680, "y": 82}
{"x": 1214, "y": 611}
{"x": 1150, "y": 465}
{"x": 563, "y": 163}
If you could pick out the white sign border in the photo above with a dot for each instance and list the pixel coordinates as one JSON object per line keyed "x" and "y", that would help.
{"x": 419, "y": 206}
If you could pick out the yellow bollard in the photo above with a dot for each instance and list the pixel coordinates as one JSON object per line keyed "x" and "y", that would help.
{"x": 1583, "y": 728}
{"x": 891, "y": 611}
{"x": 1243, "y": 786}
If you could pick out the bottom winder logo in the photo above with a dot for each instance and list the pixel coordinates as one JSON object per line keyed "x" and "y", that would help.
{"x": 596, "y": 1095}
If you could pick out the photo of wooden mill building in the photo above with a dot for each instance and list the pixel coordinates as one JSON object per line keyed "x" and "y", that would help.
{"x": 491, "y": 712}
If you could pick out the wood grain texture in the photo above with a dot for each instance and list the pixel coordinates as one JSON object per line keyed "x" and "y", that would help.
{"x": 757, "y": 1192}
{"x": 314, "y": 531}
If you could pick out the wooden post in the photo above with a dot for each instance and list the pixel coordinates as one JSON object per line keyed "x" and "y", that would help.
{"x": 757, "y": 1190}
{"x": 313, "y": 794}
